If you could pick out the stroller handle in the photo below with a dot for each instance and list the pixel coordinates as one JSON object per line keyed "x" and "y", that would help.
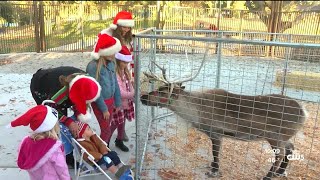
{"x": 47, "y": 101}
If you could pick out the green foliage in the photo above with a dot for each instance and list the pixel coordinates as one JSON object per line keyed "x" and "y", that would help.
{"x": 7, "y": 12}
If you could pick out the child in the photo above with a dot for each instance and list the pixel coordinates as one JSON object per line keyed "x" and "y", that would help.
{"x": 102, "y": 155}
{"x": 123, "y": 58}
{"x": 67, "y": 87}
{"x": 41, "y": 153}
{"x": 102, "y": 67}
{"x": 121, "y": 28}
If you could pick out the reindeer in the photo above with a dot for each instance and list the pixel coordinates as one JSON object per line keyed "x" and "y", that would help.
{"x": 219, "y": 113}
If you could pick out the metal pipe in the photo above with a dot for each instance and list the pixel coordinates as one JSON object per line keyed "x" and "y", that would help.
{"x": 285, "y": 71}
{"x": 213, "y": 31}
{"x": 153, "y": 58}
{"x": 136, "y": 100}
{"x": 144, "y": 31}
{"x": 219, "y": 61}
{"x": 227, "y": 40}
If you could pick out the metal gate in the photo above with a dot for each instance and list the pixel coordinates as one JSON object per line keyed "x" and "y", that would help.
{"x": 167, "y": 147}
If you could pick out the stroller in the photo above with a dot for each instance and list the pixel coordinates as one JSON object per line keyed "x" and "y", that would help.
{"x": 81, "y": 167}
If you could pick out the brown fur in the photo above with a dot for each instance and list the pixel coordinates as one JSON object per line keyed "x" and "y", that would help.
{"x": 219, "y": 113}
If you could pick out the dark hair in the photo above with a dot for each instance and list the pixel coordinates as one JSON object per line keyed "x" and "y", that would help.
{"x": 124, "y": 40}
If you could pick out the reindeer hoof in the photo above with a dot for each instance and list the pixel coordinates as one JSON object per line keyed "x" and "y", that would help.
{"x": 214, "y": 174}
{"x": 266, "y": 178}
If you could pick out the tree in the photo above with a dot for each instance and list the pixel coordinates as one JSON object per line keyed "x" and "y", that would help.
{"x": 271, "y": 12}
{"x": 7, "y": 12}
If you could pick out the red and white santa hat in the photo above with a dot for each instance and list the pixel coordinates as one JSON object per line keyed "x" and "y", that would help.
{"x": 41, "y": 118}
{"x": 83, "y": 90}
{"x": 123, "y": 18}
{"x": 106, "y": 45}
{"x": 124, "y": 55}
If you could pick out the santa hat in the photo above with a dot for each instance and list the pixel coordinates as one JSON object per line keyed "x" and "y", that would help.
{"x": 124, "y": 54}
{"x": 81, "y": 128}
{"x": 41, "y": 118}
{"x": 123, "y": 18}
{"x": 83, "y": 90}
{"x": 106, "y": 45}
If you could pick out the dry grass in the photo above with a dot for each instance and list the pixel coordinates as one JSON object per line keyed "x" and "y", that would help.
{"x": 190, "y": 156}
{"x": 299, "y": 80}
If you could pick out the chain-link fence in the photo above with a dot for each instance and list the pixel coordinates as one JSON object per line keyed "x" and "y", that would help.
{"x": 178, "y": 142}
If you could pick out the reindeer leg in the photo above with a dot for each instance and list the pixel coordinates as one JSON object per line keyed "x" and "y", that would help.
{"x": 281, "y": 172}
{"x": 216, "y": 144}
{"x": 278, "y": 158}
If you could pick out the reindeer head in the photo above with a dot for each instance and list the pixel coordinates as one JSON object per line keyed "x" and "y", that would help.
{"x": 65, "y": 80}
{"x": 171, "y": 90}
{"x": 163, "y": 95}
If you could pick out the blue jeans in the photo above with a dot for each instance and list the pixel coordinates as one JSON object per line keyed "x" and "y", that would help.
{"x": 66, "y": 138}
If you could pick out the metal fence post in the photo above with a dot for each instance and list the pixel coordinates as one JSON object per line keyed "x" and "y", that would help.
{"x": 241, "y": 31}
{"x": 220, "y": 34}
{"x": 137, "y": 64}
{"x": 153, "y": 58}
{"x": 285, "y": 70}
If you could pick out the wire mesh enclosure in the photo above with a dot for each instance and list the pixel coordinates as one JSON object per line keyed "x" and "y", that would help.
{"x": 203, "y": 111}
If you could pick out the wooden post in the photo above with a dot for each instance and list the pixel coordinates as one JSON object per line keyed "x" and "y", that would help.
{"x": 42, "y": 28}
{"x": 36, "y": 25}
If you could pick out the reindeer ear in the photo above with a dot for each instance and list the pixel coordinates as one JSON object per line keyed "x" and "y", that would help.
{"x": 182, "y": 87}
{"x": 179, "y": 84}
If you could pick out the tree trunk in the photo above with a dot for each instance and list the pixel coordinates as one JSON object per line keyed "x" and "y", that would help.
{"x": 100, "y": 12}
{"x": 42, "y": 28}
{"x": 36, "y": 25}
{"x": 274, "y": 20}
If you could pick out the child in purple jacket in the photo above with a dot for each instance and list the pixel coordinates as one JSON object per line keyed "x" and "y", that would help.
{"x": 41, "y": 153}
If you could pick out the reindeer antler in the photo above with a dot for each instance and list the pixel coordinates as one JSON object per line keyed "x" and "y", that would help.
{"x": 196, "y": 74}
{"x": 151, "y": 76}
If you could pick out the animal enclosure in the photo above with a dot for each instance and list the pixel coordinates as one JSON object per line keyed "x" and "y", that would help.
{"x": 178, "y": 144}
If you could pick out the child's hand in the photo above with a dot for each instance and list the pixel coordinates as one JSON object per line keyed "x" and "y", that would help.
{"x": 106, "y": 115}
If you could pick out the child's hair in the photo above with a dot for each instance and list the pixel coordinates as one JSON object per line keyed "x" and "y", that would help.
{"x": 117, "y": 33}
{"x": 53, "y": 133}
{"x": 101, "y": 61}
{"x": 126, "y": 70}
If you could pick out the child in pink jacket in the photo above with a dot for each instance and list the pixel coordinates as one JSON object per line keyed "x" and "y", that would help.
{"x": 41, "y": 153}
{"x": 126, "y": 112}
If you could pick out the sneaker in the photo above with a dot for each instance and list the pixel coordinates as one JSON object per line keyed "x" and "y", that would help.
{"x": 127, "y": 175}
{"x": 120, "y": 145}
{"x": 125, "y": 137}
